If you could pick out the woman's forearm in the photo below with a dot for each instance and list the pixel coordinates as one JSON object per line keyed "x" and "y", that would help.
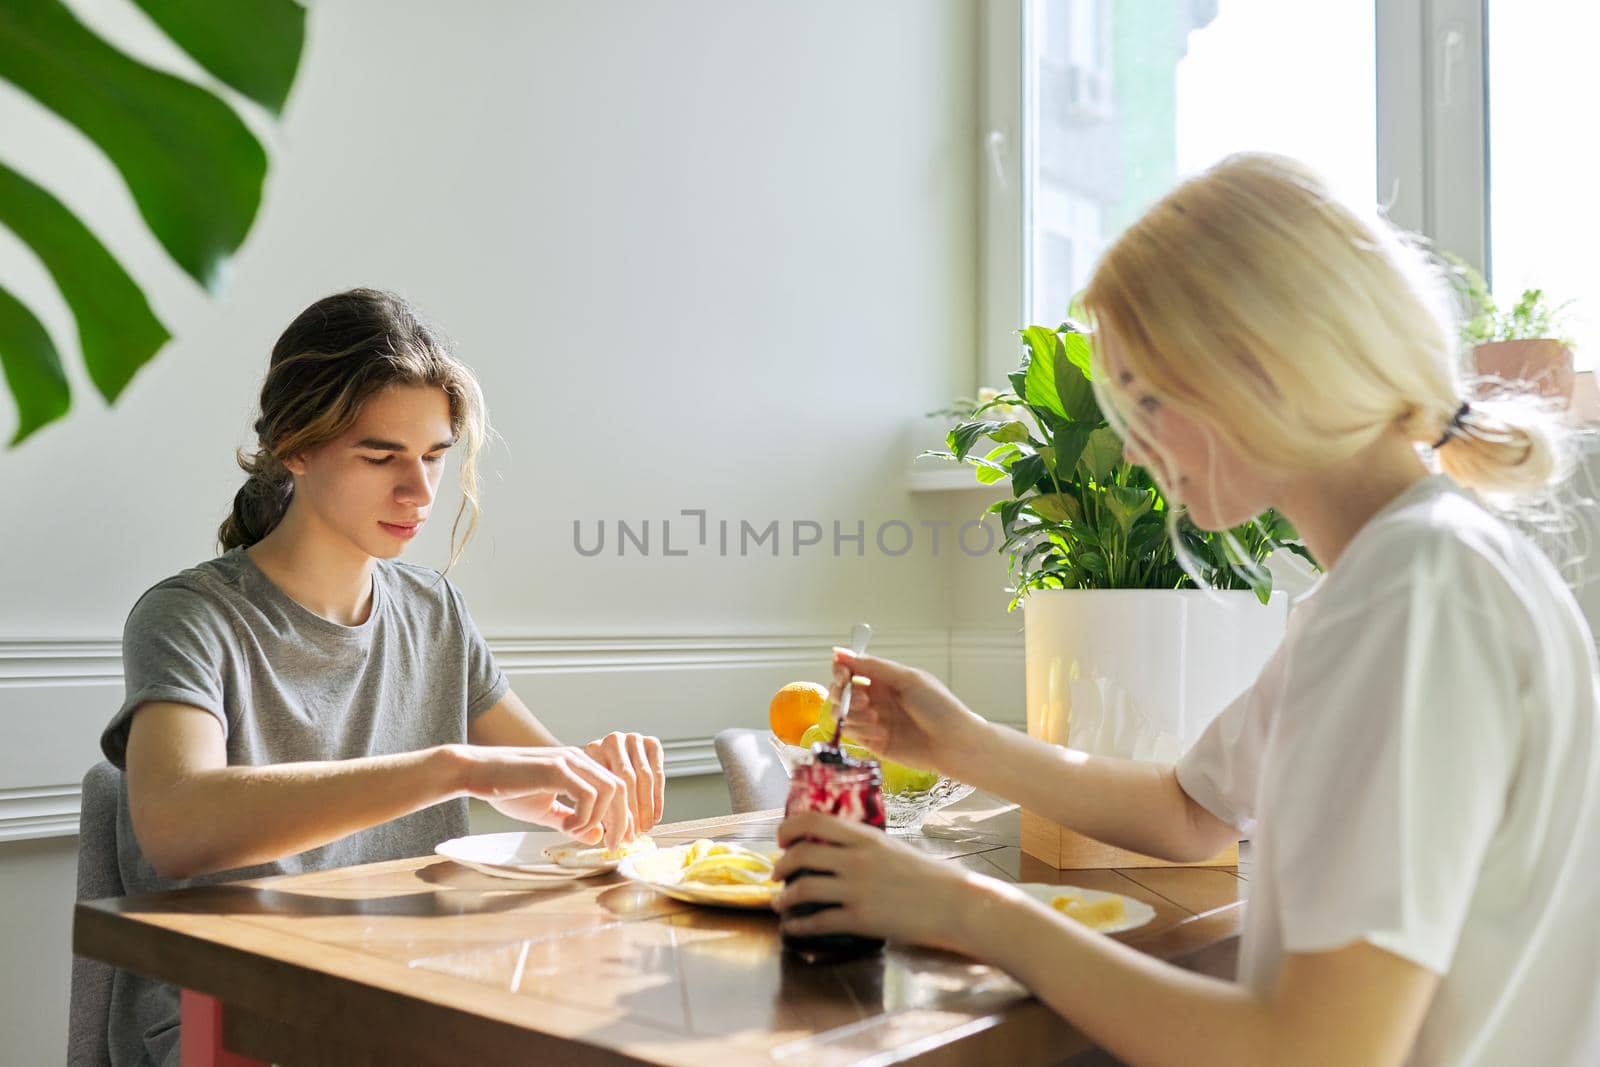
{"x": 1127, "y": 803}
{"x": 255, "y": 815}
{"x": 1142, "y": 1010}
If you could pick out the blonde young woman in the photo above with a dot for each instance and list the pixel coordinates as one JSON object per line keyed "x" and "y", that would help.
{"x": 1416, "y": 767}
{"x": 306, "y": 700}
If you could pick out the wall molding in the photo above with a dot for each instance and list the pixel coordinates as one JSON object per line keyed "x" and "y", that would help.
{"x": 40, "y": 811}
{"x": 65, "y": 660}
{"x": 639, "y": 668}
{"x": 59, "y": 662}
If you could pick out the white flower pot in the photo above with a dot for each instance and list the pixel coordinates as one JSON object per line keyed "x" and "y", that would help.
{"x": 1140, "y": 673}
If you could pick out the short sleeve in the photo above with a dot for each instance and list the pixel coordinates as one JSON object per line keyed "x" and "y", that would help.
{"x": 173, "y": 646}
{"x": 1398, "y": 740}
{"x": 1222, "y": 771}
{"x": 486, "y": 682}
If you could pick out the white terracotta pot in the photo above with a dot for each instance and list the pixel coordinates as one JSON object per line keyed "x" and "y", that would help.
{"x": 1141, "y": 673}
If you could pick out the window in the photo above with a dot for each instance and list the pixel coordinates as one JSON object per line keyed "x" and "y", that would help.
{"x": 1543, "y": 232}
{"x": 1462, "y": 117}
{"x": 1123, "y": 97}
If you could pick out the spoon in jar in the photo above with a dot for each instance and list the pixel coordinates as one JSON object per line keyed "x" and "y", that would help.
{"x": 860, "y": 634}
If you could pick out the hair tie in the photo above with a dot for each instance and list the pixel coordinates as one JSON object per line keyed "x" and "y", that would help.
{"x": 1455, "y": 427}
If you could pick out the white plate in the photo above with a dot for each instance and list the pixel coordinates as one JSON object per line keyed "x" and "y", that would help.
{"x": 1137, "y": 911}
{"x": 658, "y": 870}
{"x": 515, "y": 855}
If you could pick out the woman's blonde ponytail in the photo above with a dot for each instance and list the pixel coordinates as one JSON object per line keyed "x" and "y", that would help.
{"x": 1510, "y": 446}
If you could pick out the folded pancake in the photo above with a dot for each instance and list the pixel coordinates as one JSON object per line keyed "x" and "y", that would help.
{"x": 573, "y": 854}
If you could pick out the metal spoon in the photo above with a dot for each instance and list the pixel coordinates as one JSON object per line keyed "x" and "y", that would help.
{"x": 860, "y": 634}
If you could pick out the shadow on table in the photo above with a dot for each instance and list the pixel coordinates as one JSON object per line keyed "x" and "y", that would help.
{"x": 703, "y": 977}
{"x": 452, "y": 899}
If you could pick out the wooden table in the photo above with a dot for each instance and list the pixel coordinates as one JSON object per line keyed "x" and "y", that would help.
{"x": 422, "y": 961}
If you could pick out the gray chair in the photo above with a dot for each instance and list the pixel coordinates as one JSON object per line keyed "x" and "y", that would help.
{"x": 755, "y": 776}
{"x": 88, "y": 1043}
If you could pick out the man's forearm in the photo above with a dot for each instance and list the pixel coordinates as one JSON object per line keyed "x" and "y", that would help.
{"x": 231, "y": 817}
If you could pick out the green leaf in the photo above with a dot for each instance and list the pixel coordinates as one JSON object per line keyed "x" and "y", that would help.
{"x": 1101, "y": 454}
{"x": 1077, "y": 395}
{"x": 1040, "y": 389}
{"x": 993, "y": 467}
{"x": 1127, "y": 505}
{"x": 32, "y": 368}
{"x": 117, "y": 331}
{"x": 1069, "y": 440}
{"x": 1147, "y": 533}
{"x": 967, "y": 434}
{"x": 1303, "y": 552}
{"x": 1278, "y": 526}
{"x": 259, "y": 63}
{"x": 1003, "y": 400}
{"x": 1006, "y": 509}
{"x": 1076, "y": 347}
{"x": 1041, "y": 553}
{"x": 1019, "y": 377}
{"x": 1003, "y": 454}
{"x": 988, "y": 475}
{"x": 1057, "y": 507}
{"x": 193, "y": 167}
{"x": 983, "y": 464}
{"x": 1058, "y": 369}
{"x": 1026, "y": 473}
{"x": 1010, "y": 431}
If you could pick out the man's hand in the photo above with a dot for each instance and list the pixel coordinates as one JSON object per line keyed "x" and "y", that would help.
{"x": 637, "y": 760}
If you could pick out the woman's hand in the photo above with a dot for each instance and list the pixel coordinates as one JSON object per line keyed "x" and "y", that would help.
{"x": 884, "y": 887}
{"x": 908, "y": 715}
{"x": 563, "y": 788}
{"x": 637, "y": 760}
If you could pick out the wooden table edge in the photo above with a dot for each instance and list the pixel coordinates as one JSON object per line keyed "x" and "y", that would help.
{"x": 367, "y": 983}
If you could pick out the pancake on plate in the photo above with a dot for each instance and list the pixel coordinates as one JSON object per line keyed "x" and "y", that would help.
{"x": 577, "y": 854}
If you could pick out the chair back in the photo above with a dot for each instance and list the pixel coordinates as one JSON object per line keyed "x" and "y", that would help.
{"x": 88, "y": 1019}
{"x": 755, "y": 776}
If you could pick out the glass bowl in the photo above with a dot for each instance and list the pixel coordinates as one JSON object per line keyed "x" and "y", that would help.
{"x": 904, "y": 811}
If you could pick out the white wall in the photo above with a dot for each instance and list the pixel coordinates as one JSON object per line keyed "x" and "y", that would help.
{"x": 703, "y": 255}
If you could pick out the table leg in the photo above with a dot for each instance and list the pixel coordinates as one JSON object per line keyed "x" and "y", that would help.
{"x": 201, "y": 1040}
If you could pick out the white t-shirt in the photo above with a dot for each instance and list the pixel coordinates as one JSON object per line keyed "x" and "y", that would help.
{"x": 1418, "y": 766}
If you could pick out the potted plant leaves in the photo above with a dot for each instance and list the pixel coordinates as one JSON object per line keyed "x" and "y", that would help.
{"x": 1127, "y": 651}
{"x": 1521, "y": 345}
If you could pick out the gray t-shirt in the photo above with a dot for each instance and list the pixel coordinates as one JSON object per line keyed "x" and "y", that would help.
{"x": 288, "y": 685}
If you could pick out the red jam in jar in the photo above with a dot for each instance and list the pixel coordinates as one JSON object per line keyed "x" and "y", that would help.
{"x": 849, "y": 788}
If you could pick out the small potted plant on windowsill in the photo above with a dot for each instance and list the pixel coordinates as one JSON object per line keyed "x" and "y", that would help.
{"x": 1520, "y": 343}
{"x": 1125, "y": 653}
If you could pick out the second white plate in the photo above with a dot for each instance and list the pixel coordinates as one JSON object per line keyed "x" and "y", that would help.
{"x": 1136, "y": 912}
{"x": 659, "y": 870}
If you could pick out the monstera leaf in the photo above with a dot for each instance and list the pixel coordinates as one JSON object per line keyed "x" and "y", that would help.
{"x": 193, "y": 167}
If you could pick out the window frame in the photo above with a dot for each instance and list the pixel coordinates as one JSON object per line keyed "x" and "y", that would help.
{"x": 1433, "y": 148}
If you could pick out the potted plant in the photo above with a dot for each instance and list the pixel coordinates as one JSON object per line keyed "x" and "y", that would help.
{"x": 1126, "y": 653}
{"x": 1520, "y": 343}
